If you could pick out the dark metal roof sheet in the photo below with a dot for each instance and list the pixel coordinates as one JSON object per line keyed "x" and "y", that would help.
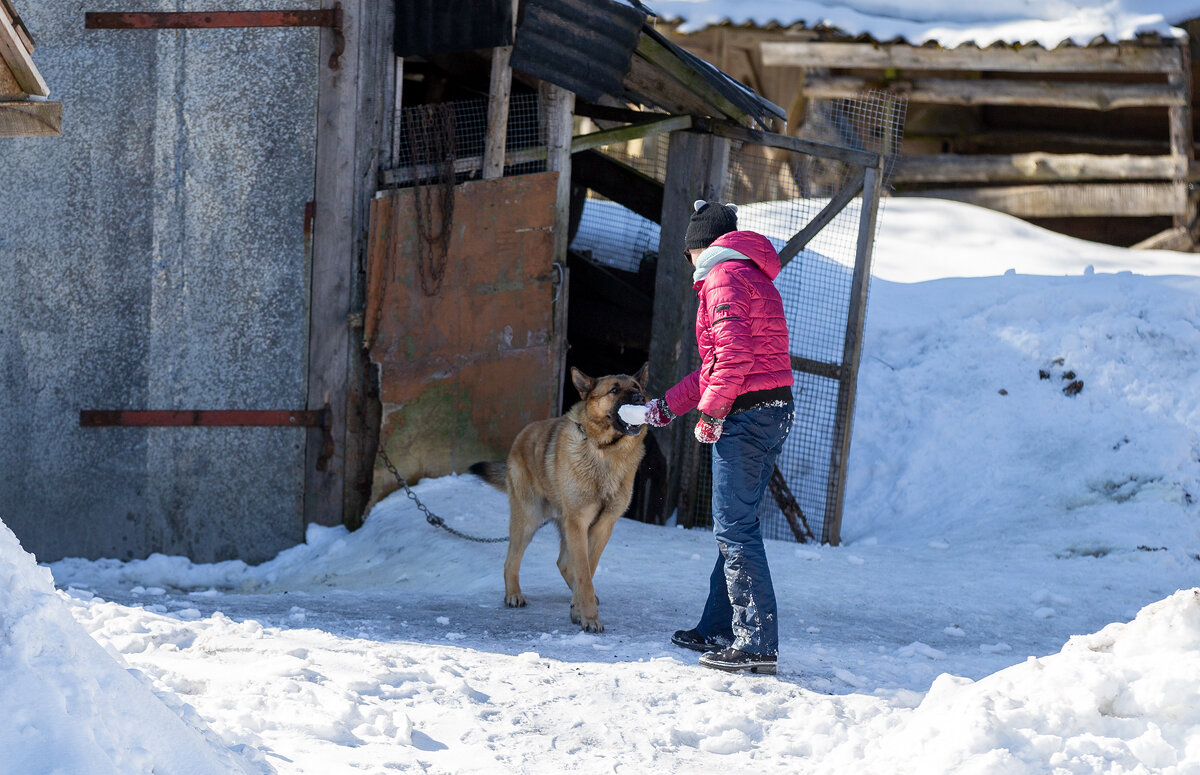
{"x": 581, "y": 45}
{"x": 448, "y": 26}
{"x": 587, "y": 46}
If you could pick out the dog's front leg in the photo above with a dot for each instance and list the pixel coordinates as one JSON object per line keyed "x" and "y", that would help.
{"x": 584, "y": 610}
{"x": 598, "y": 535}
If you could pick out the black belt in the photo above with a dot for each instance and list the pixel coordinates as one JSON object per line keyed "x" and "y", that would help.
{"x": 757, "y": 399}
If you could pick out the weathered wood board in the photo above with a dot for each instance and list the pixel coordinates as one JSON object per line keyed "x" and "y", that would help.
{"x": 463, "y": 369}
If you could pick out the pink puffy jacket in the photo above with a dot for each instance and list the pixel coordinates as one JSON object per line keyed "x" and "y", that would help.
{"x": 740, "y": 329}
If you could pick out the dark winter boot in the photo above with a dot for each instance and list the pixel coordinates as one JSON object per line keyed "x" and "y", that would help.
{"x": 735, "y": 661}
{"x": 692, "y": 639}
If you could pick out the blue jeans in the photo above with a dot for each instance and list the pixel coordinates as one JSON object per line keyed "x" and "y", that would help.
{"x": 741, "y": 599}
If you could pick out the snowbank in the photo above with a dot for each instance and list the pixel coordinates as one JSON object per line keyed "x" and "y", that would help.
{"x": 69, "y": 706}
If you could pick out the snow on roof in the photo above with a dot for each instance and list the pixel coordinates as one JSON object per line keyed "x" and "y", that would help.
{"x": 948, "y": 22}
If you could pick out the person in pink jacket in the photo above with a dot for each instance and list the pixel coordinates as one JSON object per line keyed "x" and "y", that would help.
{"x": 743, "y": 390}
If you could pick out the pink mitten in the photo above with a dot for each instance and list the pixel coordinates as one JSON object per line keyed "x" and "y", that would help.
{"x": 658, "y": 413}
{"x": 708, "y": 430}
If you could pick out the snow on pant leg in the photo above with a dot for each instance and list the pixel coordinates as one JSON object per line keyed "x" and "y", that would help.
{"x": 743, "y": 460}
{"x": 717, "y": 618}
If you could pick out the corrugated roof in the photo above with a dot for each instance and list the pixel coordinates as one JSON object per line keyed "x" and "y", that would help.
{"x": 588, "y": 46}
{"x": 581, "y": 45}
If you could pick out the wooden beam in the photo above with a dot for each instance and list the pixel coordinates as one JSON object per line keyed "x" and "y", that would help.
{"x": 817, "y": 368}
{"x": 650, "y": 85}
{"x": 465, "y": 164}
{"x": 1051, "y": 94}
{"x": 393, "y": 117}
{"x": 1074, "y": 200}
{"x": 497, "y": 113}
{"x": 1035, "y": 168}
{"x": 30, "y": 118}
{"x": 1179, "y": 121}
{"x": 787, "y": 142}
{"x": 1001, "y": 141}
{"x": 1174, "y": 238}
{"x": 558, "y": 116}
{"x": 851, "y": 354}
{"x": 624, "y": 134}
{"x": 1027, "y": 59}
{"x": 13, "y": 52}
{"x": 7, "y": 10}
{"x": 619, "y": 182}
{"x": 349, "y": 135}
{"x": 697, "y": 166}
{"x": 654, "y": 52}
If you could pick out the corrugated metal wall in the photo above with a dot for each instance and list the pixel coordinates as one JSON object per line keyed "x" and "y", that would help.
{"x": 153, "y": 257}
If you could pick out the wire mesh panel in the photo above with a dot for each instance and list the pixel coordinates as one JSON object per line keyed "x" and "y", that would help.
{"x": 430, "y": 137}
{"x": 779, "y": 192}
{"x": 612, "y": 234}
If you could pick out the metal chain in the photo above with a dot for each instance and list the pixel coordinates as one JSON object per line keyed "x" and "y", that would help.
{"x": 430, "y": 517}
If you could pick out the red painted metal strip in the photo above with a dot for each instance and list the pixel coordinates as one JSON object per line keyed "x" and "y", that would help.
{"x": 210, "y": 19}
{"x": 217, "y": 418}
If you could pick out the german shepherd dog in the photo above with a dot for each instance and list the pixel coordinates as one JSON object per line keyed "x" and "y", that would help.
{"x": 575, "y": 471}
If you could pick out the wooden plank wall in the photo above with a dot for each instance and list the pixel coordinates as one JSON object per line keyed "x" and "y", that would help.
{"x": 1105, "y": 130}
{"x": 1065, "y": 88}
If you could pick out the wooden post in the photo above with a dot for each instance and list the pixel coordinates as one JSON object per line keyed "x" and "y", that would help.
{"x": 851, "y": 353}
{"x": 1180, "y": 119}
{"x": 349, "y": 120}
{"x": 497, "y": 113}
{"x": 558, "y": 119}
{"x": 397, "y": 106}
{"x": 696, "y": 169}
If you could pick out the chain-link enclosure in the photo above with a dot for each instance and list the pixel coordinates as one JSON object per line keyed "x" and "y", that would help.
{"x": 785, "y": 190}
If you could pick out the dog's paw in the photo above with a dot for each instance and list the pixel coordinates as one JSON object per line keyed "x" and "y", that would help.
{"x": 515, "y": 600}
{"x": 592, "y": 625}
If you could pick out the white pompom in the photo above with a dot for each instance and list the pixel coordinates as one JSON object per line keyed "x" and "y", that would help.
{"x": 698, "y": 204}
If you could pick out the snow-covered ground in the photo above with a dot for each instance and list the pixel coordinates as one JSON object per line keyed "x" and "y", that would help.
{"x": 1015, "y": 592}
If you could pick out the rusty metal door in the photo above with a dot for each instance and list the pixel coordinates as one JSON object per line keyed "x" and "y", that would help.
{"x": 466, "y": 362}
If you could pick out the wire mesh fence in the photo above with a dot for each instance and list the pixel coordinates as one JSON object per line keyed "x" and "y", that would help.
{"x": 429, "y": 138}
{"x": 783, "y": 191}
{"x": 612, "y": 234}
{"x": 779, "y": 192}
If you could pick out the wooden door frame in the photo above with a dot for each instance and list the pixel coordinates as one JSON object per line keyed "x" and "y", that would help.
{"x": 351, "y": 102}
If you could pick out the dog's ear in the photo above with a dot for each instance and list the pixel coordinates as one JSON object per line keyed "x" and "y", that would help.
{"x": 643, "y": 374}
{"x": 582, "y": 382}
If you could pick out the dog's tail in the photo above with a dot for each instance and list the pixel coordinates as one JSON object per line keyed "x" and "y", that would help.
{"x": 494, "y": 473}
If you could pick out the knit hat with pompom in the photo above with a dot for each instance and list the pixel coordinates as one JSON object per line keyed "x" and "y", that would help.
{"x": 709, "y": 221}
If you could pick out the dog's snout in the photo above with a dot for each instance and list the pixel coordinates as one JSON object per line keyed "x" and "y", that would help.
{"x": 637, "y": 398}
